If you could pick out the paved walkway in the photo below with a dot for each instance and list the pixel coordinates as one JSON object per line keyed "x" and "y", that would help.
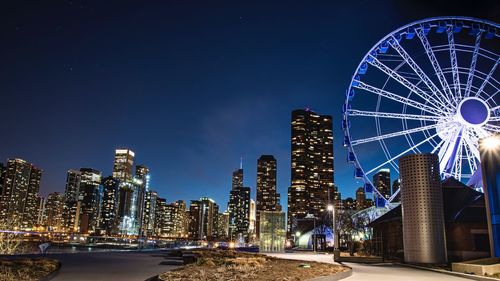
{"x": 110, "y": 266}
{"x": 385, "y": 272}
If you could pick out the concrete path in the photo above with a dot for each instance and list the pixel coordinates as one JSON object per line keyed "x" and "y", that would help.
{"x": 380, "y": 272}
{"x": 110, "y": 266}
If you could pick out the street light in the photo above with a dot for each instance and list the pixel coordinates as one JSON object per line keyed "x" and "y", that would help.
{"x": 336, "y": 252}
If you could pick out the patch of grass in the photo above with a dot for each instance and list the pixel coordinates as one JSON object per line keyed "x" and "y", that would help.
{"x": 27, "y": 269}
{"x": 219, "y": 265}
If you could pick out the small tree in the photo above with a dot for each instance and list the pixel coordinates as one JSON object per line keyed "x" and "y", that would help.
{"x": 11, "y": 241}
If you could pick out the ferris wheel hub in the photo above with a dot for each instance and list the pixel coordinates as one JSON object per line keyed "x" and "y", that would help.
{"x": 473, "y": 112}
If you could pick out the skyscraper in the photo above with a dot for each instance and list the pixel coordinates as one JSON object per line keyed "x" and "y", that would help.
{"x": 239, "y": 206}
{"x": 72, "y": 203}
{"x": 150, "y": 212}
{"x": 19, "y": 204}
{"x": 382, "y": 181}
{"x": 127, "y": 208}
{"x": 109, "y": 206}
{"x": 360, "y": 199}
{"x": 312, "y": 187}
{"x": 268, "y": 199}
{"x": 142, "y": 177}
{"x": 54, "y": 209}
{"x": 90, "y": 197}
{"x": 237, "y": 178}
{"x": 3, "y": 169}
{"x": 124, "y": 164}
{"x": 422, "y": 209}
{"x": 203, "y": 218}
{"x": 160, "y": 216}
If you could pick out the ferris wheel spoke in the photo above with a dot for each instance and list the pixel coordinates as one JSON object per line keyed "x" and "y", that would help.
{"x": 472, "y": 68}
{"x": 492, "y": 96}
{"x": 403, "y": 81}
{"x": 392, "y": 135}
{"x": 458, "y": 161}
{"x": 472, "y": 148}
{"x": 401, "y": 154}
{"x": 454, "y": 64}
{"x": 436, "y": 148}
{"x": 495, "y": 118}
{"x": 446, "y": 154}
{"x": 435, "y": 63}
{"x": 421, "y": 74}
{"x": 470, "y": 157}
{"x": 492, "y": 128}
{"x": 397, "y": 98}
{"x": 495, "y": 109}
{"x": 481, "y": 88}
{"x": 355, "y": 112}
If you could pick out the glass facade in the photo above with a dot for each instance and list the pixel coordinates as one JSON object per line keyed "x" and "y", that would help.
{"x": 272, "y": 231}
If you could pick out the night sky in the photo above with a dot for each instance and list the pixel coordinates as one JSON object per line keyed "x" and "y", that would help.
{"x": 189, "y": 86}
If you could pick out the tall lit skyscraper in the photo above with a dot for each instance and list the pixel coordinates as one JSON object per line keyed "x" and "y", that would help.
{"x": 54, "y": 209}
{"x": 124, "y": 164}
{"x": 90, "y": 197}
{"x": 237, "y": 178}
{"x": 109, "y": 206}
{"x": 127, "y": 208}
{"x": 19, "y": 204}
{"x": 72, "y": 203}
{"x": 268, "y": 199}
{"x": 150, "y": 212}
{"x": 312, "y": 187}
{"x": 203, "y": 218}
{"x": 3, "y": 169}
{"x": 142, "y": 177}
{"x": 382, "y": 181}
{"x": 160, "y": 216}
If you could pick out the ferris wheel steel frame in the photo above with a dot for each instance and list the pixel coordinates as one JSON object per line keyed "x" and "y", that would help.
{"x": 454, "y": 112}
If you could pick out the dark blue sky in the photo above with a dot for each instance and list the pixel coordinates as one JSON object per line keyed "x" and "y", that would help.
{"x": 190, "y": 86}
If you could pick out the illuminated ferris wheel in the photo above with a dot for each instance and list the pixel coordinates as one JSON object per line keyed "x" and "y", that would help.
{"x": 430, "y": 86}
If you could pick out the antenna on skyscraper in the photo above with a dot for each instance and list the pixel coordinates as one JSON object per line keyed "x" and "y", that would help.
{"x": 241, "y": 162}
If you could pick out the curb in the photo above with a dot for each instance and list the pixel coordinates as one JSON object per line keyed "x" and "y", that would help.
{"x": 334, "y": 277}
{"x": 452, "y": 273}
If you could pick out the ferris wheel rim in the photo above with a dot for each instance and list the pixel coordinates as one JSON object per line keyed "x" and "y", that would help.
{"x": 346, "y": 112}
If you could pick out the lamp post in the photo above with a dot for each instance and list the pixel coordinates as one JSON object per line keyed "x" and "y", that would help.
{"x": 336, "y": 252}
{"x": 489, "y": 149}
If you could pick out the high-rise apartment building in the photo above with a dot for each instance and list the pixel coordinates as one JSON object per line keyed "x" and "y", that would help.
{"x": 360, "y": 198}
{"x": 223, "y": 225}
{"x": 312, "y": 188}
{"x": 142, "y": 178}
{"x": 72, "y": 202}
{"x": 239, "y": 206}
{"x": 124, "y": 164}
{"x": 90, "y": 198}
{"x": 160, "y": 217}
{"x": 19, "y": 204}
{"x": 203, "y": 218}
{"x": 268, "y": 198}
{"x": 382, "y": 182}
{"x": 3, "y": 169}
{"x": 127, "y": 208}
{"x": 54, "y": 210}
{"x": 109, "y": 205}
{"x": 150, "y": 212}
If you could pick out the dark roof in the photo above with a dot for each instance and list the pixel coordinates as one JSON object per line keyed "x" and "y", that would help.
{"x": 461, "y": 204}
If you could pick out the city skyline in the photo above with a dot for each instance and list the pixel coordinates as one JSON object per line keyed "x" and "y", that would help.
{"x": 178, "y": 110}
